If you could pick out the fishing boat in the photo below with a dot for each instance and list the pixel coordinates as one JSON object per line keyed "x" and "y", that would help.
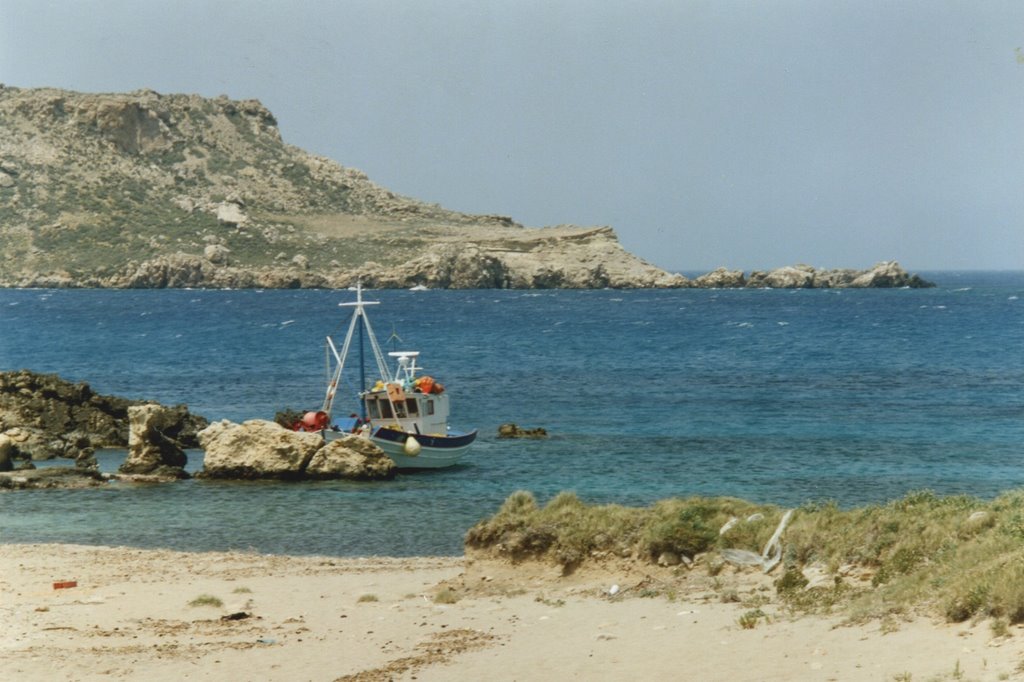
{"x": 404, "y": 412}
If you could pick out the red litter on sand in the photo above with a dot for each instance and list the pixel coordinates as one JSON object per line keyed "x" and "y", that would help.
{"x": 65, "y": 584}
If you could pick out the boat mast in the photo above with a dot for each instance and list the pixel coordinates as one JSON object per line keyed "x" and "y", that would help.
{"x": 362, "y": 368}
{"x": 360, "y": 321}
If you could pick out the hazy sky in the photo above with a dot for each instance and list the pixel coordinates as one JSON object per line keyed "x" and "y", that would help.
{"x": 749, "y": 134}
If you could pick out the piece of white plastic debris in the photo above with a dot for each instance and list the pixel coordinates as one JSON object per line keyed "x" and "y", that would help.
{"x": 613, "y": 590}
{"x": 769, "y": 558}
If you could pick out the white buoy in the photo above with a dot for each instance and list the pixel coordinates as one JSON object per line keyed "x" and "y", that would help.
{"x": 412, "y": 446}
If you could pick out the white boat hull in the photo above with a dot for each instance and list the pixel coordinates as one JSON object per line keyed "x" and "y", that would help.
{"x": 434, "y": 452}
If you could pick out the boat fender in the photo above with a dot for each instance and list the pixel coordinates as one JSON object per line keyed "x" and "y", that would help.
{"x": 412, "y": 446}
{"x": 312, "y": 421}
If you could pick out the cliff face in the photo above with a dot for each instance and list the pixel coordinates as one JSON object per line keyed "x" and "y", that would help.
{"x": 150, "y": 190}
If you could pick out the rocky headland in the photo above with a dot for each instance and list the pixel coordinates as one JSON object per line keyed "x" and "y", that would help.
{"x": 146, "y": 190}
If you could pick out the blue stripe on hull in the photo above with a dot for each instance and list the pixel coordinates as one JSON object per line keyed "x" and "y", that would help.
{"x": 438, "y": 442}
{"x": 436, "y": 452}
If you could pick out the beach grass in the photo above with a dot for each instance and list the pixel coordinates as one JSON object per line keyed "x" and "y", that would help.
{"x": 956, "y": 556}
{"x": 207, "y": 600}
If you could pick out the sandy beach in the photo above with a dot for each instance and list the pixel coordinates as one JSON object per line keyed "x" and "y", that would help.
{"x": 163, "y": 615}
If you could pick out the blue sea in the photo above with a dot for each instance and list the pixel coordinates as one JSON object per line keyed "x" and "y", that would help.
{"x": 776, "y": 396}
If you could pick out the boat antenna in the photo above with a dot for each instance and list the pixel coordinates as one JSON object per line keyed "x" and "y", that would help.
{"x": 394, "y": 338}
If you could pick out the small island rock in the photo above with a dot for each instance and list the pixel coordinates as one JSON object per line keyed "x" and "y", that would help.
{"x": 884, "y": 275}
{"x": 515, "y": 431}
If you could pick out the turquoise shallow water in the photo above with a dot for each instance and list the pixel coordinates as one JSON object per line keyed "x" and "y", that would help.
{"x": 776, "y": 396}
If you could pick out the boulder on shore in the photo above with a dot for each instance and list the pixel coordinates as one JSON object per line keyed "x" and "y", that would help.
{"x": 151, "y": 451}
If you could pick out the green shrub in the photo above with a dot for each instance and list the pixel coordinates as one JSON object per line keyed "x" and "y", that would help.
{"x": 686, "y": 530}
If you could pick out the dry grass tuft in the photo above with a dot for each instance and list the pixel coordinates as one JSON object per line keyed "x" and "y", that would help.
{"x": 206, "y": 600}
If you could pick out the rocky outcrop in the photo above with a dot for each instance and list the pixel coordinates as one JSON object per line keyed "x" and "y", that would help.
{"x": 516, "y": 431}
{"x": 52, "y": 477}
{"x": 212, "y": 271}
{"x": 46, "y": 417}
{"x": 789, "y": 277}
{"x": 259, "y": 449}
{"x": 151, "y": 452}
{"x": 552, "y": 258}
{"x": 887, "y": 274}
{"x": 721, "y": 278}
{"x": 572, "y": 264}
{"x": 350, "y": 457}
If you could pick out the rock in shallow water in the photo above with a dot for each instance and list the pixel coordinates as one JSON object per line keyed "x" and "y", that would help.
{"x": 350, "y": 457}
{"x": 259, "y": 449}
{"x": 150, "y": 450}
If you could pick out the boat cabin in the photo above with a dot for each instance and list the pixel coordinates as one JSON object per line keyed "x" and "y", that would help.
{"x": 410, "y": 403}
{"x": 413, "y": 412}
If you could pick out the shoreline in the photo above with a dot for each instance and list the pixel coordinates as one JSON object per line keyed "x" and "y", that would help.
{"x": 438, "y": 618}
